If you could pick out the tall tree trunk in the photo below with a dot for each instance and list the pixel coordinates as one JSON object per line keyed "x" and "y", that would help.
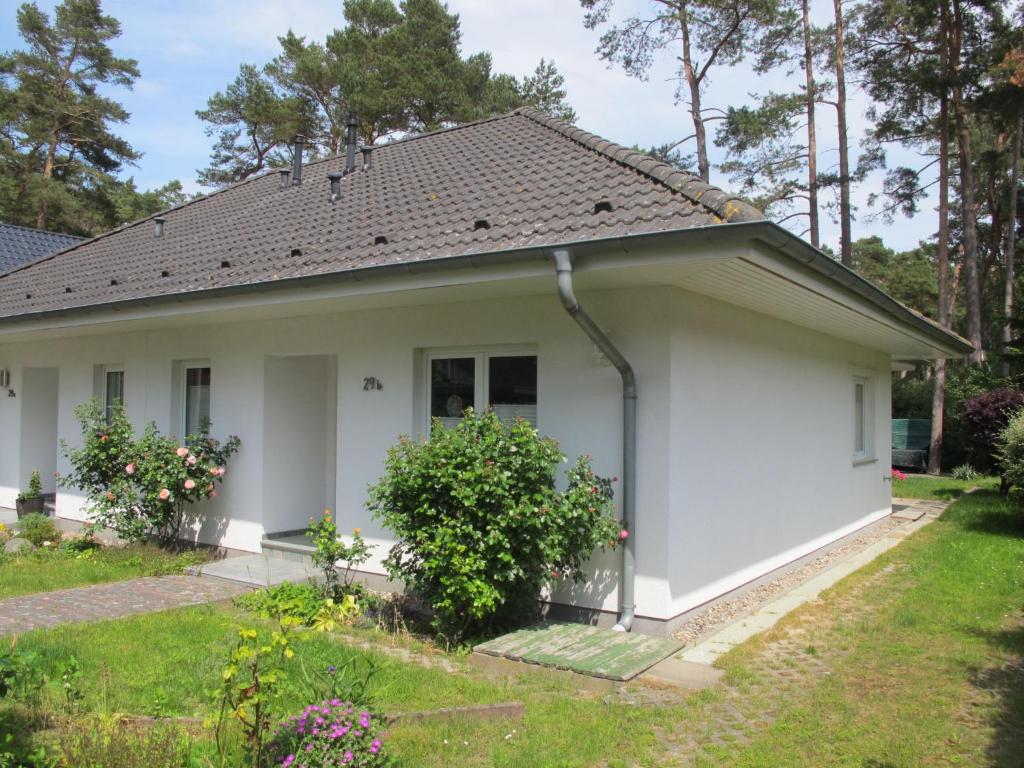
{"x": 972, "y": 285}
{"x": 693, "y": 81}
{"x": 48, "y": 165}
{"x": 945, "y": 305}
{"x": 812, "y": 137}
{"x": 846, "y": 246}
{"x": 1011, "y": 241}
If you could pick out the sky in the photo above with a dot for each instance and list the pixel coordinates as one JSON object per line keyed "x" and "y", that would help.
{"x": 188, "y": 49}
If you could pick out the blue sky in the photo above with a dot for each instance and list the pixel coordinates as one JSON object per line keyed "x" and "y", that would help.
{"x": 190, "y": 48}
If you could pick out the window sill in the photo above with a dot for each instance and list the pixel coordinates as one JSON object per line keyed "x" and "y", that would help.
{"x": 864, "y": 460}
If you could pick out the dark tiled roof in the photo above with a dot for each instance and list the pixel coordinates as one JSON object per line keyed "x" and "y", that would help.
{"x": 20, "y": 245}
{"x": 531, "y": 179}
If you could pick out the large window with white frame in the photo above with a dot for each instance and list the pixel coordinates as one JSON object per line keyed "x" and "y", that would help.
{"x": 195, "y": 398}
{"x": 863, "y": 419}
{"x": 505, "y": 381}
{"x": 113, "y": 389}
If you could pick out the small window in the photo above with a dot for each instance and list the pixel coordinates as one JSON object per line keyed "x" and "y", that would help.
{"x": 504, "y": 382}
{"x": 113, "y": 390}
{"x": 196, "y": 401}
{"x": 862, "y": 420}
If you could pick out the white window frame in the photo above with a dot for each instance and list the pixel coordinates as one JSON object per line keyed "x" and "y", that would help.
{"x": 481, "y": 383}
{"x": 104, "y": 371}
{"x": 866, "y": 453}
{"x": 186, "y": 366}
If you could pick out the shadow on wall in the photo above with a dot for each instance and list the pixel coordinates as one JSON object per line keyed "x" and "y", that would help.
{"x": 572, "y": 598}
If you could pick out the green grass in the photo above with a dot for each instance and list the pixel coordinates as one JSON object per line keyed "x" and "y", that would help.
{"x": 939, "y": 488}
{"x": 47, "y": 570}
{"x": 922, "y": 649}
{"x": 930, "y": 677}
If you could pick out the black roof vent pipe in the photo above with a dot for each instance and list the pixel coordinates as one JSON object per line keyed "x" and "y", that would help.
{"x": 300, "y": 140}
{"x": 284, "y": 174}
{"x": 335, "y": 177}
{"x": 367, "y": 157}
{"x": 350, "y": 143}
{"x": 158, "y": 229}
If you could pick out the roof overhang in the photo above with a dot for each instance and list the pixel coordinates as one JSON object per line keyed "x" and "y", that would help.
{"x": 757, "y": 265}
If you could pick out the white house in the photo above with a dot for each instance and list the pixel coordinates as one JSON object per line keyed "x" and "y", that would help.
{"x": 320, "y": 315}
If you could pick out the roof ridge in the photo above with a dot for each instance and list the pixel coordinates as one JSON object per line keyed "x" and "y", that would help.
{"x": 730, "y": 208}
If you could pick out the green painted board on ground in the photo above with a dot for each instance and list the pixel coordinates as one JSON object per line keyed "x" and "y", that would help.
{"x": 584, "y": 649}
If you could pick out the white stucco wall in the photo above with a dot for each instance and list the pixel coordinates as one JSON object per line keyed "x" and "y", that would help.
{"x": 762, "y": 446}
{"x": 745, "y": 423}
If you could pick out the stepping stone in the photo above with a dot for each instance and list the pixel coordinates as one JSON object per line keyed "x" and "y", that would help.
{"x": 900, "y": 512}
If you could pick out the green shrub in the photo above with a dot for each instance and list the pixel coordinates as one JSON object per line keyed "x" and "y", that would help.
{"x": 337, "y": 560}
{"x": 38, "y": 529}
{"x": 285, "y": 600}
{"x": 1011, "y": 453}
{"x": 965, "y": 472}
{"x": 35, "y": 487}
{"x": 143, "y": 486}
{"x": 480, "y": 525}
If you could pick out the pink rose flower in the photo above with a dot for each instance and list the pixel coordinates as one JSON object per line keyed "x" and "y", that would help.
{"x": 209, "y": 487}
{"x": 623, "y": 534}
{"x": 164, "y": 494}
{"x": 190, "y": 484}
{"x": 130, "y": 469}
{"x": 191, "y": 461}
{"x": 182, "y": 452}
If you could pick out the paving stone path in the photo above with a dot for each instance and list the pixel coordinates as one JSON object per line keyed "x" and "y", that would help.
{"x": 111, "y": 600}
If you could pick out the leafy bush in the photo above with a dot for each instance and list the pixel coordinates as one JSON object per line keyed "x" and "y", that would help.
{"x": 144, "y": 486}
{"x": 965, "y": 472}
{"x": 39, "y": 529}
{"x": 331, "y": 733}
{"x": 284, "y": 600}
{"x": 480, "y": 525}
{"x": 1011, "y": 453}
{"x": 986, "y": 416}
{"x": 332, "y": 551}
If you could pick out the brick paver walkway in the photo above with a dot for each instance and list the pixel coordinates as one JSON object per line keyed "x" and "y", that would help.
{"x": 111, "y": 601}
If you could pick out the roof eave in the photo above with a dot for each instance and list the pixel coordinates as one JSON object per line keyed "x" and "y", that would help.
{"x": 767, "y": 232}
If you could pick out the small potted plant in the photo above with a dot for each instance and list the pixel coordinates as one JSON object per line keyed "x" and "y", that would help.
{"x": 31, "y": 501}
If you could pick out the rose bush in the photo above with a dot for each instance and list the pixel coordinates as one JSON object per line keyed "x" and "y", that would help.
{"x": 144, "y": 486}
{"x": 480, "y": 525}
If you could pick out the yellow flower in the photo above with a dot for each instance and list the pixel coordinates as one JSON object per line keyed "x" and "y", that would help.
{"x": 357, "y": 531}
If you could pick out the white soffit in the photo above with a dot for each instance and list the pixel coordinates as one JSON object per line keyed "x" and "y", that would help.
{"x": 764, "y": 283}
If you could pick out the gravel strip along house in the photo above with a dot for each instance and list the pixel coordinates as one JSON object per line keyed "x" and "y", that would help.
{"x": 734, "y": 379}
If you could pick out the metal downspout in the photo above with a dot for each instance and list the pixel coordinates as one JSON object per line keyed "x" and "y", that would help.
{"x": 627, "y": 575}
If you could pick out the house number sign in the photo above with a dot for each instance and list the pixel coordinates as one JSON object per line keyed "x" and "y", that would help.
{"x": 372, "y": 384}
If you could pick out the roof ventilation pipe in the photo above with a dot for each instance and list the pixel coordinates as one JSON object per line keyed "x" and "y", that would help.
{"x": 627, "y": 575}
{"x": 367, "y": 157}
{"x": 335, "y": 177}
{"x": 158, "y": 226}
{"x": 300, "y": 140}
{"x": 350, "y": 143}
{"x": 284, "y": 173}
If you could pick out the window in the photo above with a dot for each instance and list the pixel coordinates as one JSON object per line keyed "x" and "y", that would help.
{"x": 862, "y": 420}
{"x": 196, "y": 399}
{"x": 503, "y": 381}
{"x": 113, "y": 390}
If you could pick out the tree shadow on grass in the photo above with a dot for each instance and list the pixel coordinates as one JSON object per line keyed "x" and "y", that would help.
{"x": 1005, "y": 684}
{"x": 988, "y": 512}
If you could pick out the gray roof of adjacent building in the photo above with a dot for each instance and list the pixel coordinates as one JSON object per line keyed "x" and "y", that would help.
{"x": 22, "y": 245}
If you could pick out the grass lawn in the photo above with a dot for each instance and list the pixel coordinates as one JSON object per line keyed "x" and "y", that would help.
{"x": 940, "y": 488}
{"x": 916, "y": 660}
{"x": 43, "y": 570}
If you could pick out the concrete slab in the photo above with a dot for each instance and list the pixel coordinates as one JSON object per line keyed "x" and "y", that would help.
{"x": 685, "y": 674}
{"x": 906, "y": 513}
{"x": 258, "y": 570}
{"x": 581, "y": 648}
